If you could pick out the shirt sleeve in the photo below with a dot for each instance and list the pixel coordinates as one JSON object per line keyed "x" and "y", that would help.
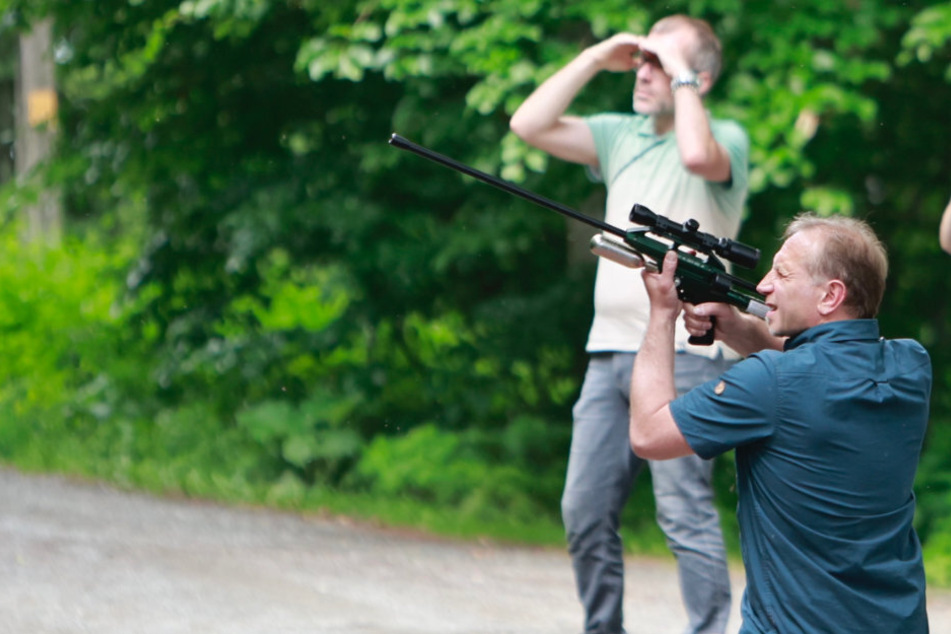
{"x": 737, "y": 409}
{"x": 604, "y": 129}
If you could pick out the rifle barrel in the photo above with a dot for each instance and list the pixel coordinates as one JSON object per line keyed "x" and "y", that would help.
{"x": 405, "y": 144}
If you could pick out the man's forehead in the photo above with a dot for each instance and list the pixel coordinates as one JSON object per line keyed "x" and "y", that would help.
{"x": 798, "y": 249}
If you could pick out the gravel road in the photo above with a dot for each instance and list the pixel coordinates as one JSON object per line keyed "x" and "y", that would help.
{"x": 83, "y": 557}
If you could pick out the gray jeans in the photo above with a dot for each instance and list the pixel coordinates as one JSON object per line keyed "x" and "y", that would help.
{"x": 601, "y": 471}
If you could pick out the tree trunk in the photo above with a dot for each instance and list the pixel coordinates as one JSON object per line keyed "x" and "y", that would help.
{"x": 37, "y": 107}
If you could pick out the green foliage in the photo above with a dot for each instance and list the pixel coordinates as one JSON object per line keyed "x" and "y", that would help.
{"x": 455, "y": 470}
{"x": 929, "y": 35}
{"x": 314, "y": 437}
{"x": 56, "y": 315}
{"x": 934, "y": 516}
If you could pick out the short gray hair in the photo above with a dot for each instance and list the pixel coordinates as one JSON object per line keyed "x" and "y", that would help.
{"x": 708, "y": 55}
{"x": 851, "y": 252}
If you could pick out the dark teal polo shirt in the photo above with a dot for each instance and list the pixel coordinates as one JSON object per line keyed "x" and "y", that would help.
{"x": 827, "y": 436}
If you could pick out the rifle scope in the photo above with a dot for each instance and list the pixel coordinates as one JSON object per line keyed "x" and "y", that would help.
{"x": 688, "y": 234}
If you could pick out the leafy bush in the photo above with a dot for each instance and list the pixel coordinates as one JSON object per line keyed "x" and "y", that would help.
{"x": 449, "y": 469}
{"x": 59, "y": 351}
{"x": 314, "y": 438}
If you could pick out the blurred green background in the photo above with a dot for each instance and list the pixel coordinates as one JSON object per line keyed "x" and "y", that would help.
{"x": 250, "y": 296}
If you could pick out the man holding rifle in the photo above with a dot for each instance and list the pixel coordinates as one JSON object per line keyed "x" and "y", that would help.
{"x": 827, "y": 433}
{"x": 670, "y": 156}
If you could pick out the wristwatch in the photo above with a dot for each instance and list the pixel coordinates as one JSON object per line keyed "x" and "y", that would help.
{"x": 685, "y": 78}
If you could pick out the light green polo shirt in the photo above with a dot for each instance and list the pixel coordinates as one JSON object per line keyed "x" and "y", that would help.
{"x": 637, "y": 166}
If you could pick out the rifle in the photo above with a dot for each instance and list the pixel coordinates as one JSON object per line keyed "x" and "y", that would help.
{"x": 701, "y": 276}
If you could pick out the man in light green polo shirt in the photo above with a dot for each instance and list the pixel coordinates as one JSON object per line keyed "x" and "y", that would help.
{"x": 672, "y": 157}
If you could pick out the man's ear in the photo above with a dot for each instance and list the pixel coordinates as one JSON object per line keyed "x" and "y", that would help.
{"x": 832, "y": 298}
{"x": 705, "y": 82}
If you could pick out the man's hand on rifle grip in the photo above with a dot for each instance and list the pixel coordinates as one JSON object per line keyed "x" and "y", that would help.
{"x": 708, "y": 337}
{"x": 701, "y": 324}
